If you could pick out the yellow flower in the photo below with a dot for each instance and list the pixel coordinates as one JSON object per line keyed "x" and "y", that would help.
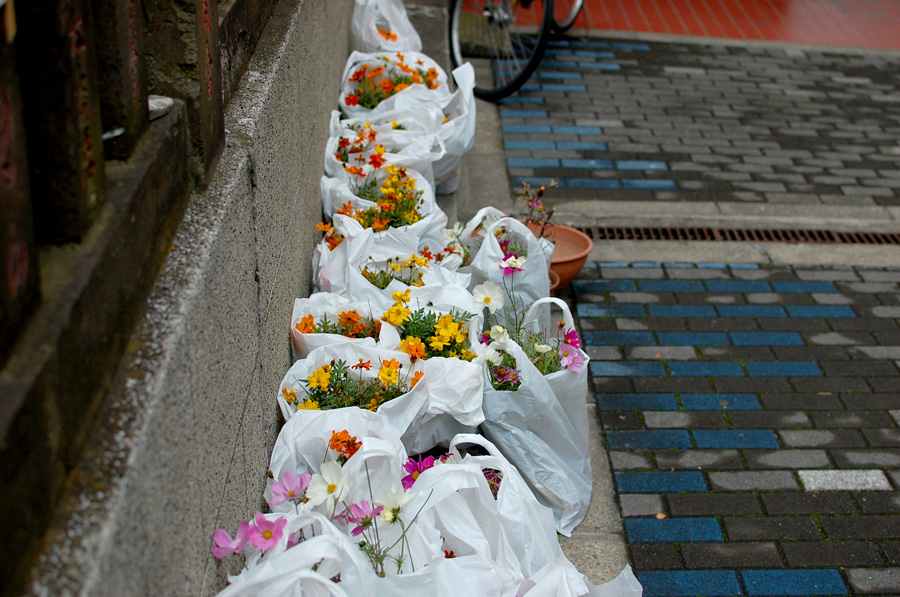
{"x": 320, "y": 378}
{"x": 467, "y": 355}
{"x": 373, "y": 405}
{"x": 401, "y": 297}
{"x": 309, "y": 405}
{"x": 446, "y": 328}
{"x": 397, "y": 314}
{"x": 437, "y": 343}
{"x": 389, "y": 373}
{"x": 289, "y": 395}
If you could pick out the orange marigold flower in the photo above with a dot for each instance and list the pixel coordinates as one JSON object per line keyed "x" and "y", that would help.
{"x": 367, "y": 365}
{"x": 415, "y": 378}
{"x": 323, "y": 226}
{"x": 376, "y": 161}
{"x": 347, "y": 209}
{"x": 352, "y": 99}
{"x": 344, "y": 443}
{"x": 343, "y": 142}
{"x": 348, "y": 317}
{"x": 381, "y": 223}
{"x": 413, "y": 347}
{"x": 400, "y": 87}
{"x": 386, "y": 85}
{"x": 306, "y": 324}
{"x": 359, "y": 73}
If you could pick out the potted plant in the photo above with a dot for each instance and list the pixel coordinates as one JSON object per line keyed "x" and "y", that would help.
{"x": 571, "y": 246}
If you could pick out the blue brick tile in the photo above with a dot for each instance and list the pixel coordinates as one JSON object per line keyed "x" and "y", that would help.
{"x": 793, "y": 582}
{"x": 720, "y": 402}
{"x": 681, "y": 311}
{"x": 564, "y": 88}
{"x": 595, "y": 54}
{"x": 650, "y": 439}
{"x": 585, "y": 43}
{"x": 522, "y": 99}
{"x": 743, "y": 265}
{"x": 611, "y": 402}
{"x": 783, "y": 369}
{"x": 604, "y": 285}
{"x": 803, "y": 286}
{"x": 738, "y": 286}
{"x": 672, "y": 530}
{"x": 649, "y": 184}
{"x": 623, "y": 338}
{"x": 820, "y": 311}
{"x": 689, "y": 583}
{"x": 693, "y": 338}
{"x": 623, "y": 45}
{"x": 507, "y": 113}
{"x": 582, "y": 146}
{"x": 706, "y": 369}
{"x": 577, "y": 130}
{"x": 671, "y": 285}
{"x": 558, "y": 64}
{"x": 529, "y": 145}
{"x": 532, "y": 162}
{"x": 599, "y": 66}
{"x": 735, "y": 438}
{"x": 526, "y": 128}
{"x": 593, "y": 310}
{"x": 679, "y": 265}
{"x": 591, "y": 183}
{"x": 530, "y": 87}
{"x": 751, "y": 311}
{"x": 558, "y": 76}
{"x": 587, "y": 164}
{"x": 640, "y": 165}
{"x": 660, "y": 482}
{"x": 627, "y": 369}
{"x": 646, "y": 264}
{"x": 712, "y": 265}
{"x": 613, "y": 264}
{"x": 766, "y": 339}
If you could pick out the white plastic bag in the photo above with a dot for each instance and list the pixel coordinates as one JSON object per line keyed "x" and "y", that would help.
{"x": 458, "y": 131}
{"x": 425, "y": 416}
{"x": 569, "y": 386}
{"x": 525, "y": 286}
{"x": 531, "y": 428}
{"x": 416, "y": 148}
{"x": 336, "y": 192}
{"x": 413, "y": 96}
{"x": 383, "y": 25}
{"x": 319, "y": 306}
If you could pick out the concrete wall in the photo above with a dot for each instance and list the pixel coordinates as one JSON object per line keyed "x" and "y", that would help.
{"x": 182, "y": 446}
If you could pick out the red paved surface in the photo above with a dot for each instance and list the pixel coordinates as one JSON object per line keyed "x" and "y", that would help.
{"x": 853, "y": 23}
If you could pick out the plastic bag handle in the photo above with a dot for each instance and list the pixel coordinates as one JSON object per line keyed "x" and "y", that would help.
{"x": 531, "y": 314}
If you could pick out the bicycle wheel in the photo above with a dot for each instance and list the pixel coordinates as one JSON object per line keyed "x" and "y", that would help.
{"x": 503, "y": 39}
{"x": 564, "y": 14}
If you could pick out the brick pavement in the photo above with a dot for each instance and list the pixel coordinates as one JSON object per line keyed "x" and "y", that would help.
{"x": 611, "y": 119}
{"x": 751, "y": 413}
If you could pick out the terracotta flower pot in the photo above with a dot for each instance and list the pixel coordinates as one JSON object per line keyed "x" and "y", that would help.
{"x": 571, "y": 252}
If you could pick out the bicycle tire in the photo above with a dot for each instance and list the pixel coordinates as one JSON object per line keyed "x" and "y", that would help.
{"x": 506, "y": 38}
{"x": 564, "y": 14}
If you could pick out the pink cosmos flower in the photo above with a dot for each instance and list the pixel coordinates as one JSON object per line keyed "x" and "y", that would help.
{"x": 571, "y": 358}
{"x": 513, "y": 263}
{"x": 571, "y": 337}
{"x": 362, "y": 514}
{"x": 415, "y": 469}
{"x": 266, "y": 533}
{"x": 225, "y": 545}
{"x": 289, "y": 489}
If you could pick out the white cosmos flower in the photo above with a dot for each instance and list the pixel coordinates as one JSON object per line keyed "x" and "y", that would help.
{"x": 393, "y": 501}
{"x": 492, "y": 356}
{"x": 499, "y": 334}
{"x": 488, "y": 295}
{"x": 512, "y": 264}
{"x": 330, "y": 484}
{"x": 541, "y": 348}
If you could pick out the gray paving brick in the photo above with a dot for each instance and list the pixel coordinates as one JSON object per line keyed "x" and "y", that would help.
{"x": 815, "y": 438}
{"x": 772, "y": 528}
{"x": 869, "y": 581}
{"x": 630, "y": 460}
{"x": 641, "y": 504}
{"x": 826, "y": 554}
{"x": 684, "y": 420}
{"x": 753, "y": 481}
{"x": 787, "y": 459}
{"x": 699, "y": 459}
{"x": 794, "y": 503}
{"x": 732, "y": 555}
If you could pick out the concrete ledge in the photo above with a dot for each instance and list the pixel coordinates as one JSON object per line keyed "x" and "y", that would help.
{"x": 182, "y": 445}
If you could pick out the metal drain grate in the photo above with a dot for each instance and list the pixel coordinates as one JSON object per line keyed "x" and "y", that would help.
{"x": 742, "y": 235}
